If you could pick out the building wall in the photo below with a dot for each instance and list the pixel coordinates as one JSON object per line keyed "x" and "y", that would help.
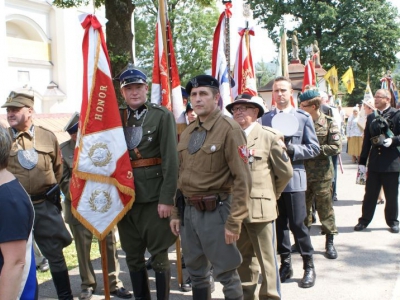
{"x": 43, "y": 52}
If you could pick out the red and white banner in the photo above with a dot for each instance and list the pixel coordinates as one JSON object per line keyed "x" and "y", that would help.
{"x": 244, "y": 75}
{"x": 219, "y": 66}
{"x": 309, "y": 74}
{"x": 165, "y": 79}
{"x": 102, "y": 188}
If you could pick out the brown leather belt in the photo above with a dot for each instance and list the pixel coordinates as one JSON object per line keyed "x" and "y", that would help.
{"x": 145, "y": 162}
{"x": 204, "y": 203}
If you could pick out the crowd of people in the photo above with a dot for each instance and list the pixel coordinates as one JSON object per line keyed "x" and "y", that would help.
{"x": 232, "y": 187}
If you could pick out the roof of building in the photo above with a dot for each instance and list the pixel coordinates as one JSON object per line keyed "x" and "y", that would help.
{"x": 52, "y": 122}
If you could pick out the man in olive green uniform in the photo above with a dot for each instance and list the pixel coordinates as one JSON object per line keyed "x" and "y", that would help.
{"x": 215, "y": 181}
{"x": 320, "y": 169}
{"x": 82, "y": 236}
{"x": 150, "y": 133}
{"x": 35, "y": 159}
{"x": 271, "y": 171}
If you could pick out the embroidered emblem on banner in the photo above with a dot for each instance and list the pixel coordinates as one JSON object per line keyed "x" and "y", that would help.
{"x": 100, "y": 155}
{"x": 100, "y": 201}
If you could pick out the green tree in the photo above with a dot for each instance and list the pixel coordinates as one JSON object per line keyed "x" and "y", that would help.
{"x": 264, "y": 73}
{"x": 363, "y": 34}
{"x": 193, "y": 51}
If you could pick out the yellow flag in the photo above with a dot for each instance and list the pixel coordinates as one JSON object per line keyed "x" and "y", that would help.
{"x": 348, "y": 80}
{"x": 332, "y": 78}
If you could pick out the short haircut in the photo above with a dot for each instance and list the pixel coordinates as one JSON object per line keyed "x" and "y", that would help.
{"x": 283, "y": 78}
{"x": 5, "y": 147}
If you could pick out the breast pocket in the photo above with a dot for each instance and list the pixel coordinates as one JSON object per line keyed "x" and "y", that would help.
{"x": 44, "y": 157}
{"x": 211, "y": 157}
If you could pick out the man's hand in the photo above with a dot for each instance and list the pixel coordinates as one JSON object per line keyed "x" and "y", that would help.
{"x": 361, "y": 169}
{"x": 164, "y": 211}
{"x": 175, "y": 225}
{"x": 290, "y": 150}
{"x": 387, "y": 142}
{"x": 230, "y": 237}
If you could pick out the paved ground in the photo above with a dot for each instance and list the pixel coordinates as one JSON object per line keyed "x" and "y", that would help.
{"x": 368, "y": 266}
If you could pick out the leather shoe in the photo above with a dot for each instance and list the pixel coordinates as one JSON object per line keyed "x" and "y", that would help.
{"x": 394, "y": 229}
{"x": 86, "y": 294}
{"x": 187, "y": 285}
{"x": 121, "y": 293}
{"x": 359, "y": 227}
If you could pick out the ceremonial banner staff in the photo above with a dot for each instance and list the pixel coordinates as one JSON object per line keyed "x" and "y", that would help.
{"x": 166, "y": 88}
{"x": 102, "y": 189}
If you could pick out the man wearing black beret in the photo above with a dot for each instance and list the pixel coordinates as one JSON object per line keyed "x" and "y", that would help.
{"x": 215, "y": 181}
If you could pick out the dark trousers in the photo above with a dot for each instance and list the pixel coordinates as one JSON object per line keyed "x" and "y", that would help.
{"x": 390, "y": 183}
{"x": 334, "y": 162}
{"x": 292, "y": 213}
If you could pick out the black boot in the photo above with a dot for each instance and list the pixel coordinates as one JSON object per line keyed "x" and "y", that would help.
{"x": 163, "y": 280}
{"x": 330, "y": 248}
{"x": 140, "y": 285}
{"x": 285, "y": 271}
{"x": 202, "y": 294}
{"x": 63, "y": 287}
{"x": 309, "y": 272}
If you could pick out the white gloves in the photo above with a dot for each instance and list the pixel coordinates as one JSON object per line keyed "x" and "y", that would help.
{"x": 362, "y": 169}
{"x": 387, "y": 142}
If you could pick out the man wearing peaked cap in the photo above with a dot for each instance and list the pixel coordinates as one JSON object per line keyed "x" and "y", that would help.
{"x": 82, "y": 236}
{"x": 215, "y": 181}
{"x": 271, "y": 170}
{"x": 320, "y": 170}
{"x": 35, "y": 159}
{"x": 292, "y": 203}
{"x": 150, "y": 134}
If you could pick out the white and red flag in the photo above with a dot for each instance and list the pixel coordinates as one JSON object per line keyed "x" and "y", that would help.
{"x": 309, "y": 74}
{"x": 102, "y": 188}
{"x": 166, "y": 86}
{"x": 219, "y": 65}
{"x": 244, "y": 73}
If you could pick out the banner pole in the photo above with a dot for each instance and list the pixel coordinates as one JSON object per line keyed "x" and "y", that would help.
{"x": 104, "y": 266}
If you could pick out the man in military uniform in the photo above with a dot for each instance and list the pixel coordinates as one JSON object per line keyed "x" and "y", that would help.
{"x": 381, "y": 149}
{"x": 150, "y": 133}
{"x": 292, "y": 203}
{"x": 271, "y": 171}
{"x": 215, "y": 181}
{"x": 320, "y": 169}
{"x": 82, "y": 236}
{"x": 35, "y": 159}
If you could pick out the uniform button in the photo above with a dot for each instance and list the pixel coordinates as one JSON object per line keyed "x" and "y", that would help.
{"x": 379, "y": 153}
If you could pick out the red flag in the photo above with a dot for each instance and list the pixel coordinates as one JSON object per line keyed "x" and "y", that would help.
{"x": 164, "y": 77}
{"x": 244, "y": 75}
{"x": 309, "y": 74}
{"x": 219, "y": 66}
{"x": 102, "y": 188}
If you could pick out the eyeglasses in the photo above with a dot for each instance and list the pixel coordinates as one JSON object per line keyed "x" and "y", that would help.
{"x": 301, "y": 105}
{"x": 240, "y": 108}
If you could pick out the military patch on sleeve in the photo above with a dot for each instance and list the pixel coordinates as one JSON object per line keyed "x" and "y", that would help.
{"x": 335, "y": 137}
{"x": 243, "y": 152}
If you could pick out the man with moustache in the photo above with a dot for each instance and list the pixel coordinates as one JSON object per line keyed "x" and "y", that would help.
{"x": 215, "y": 181}
{"x": 35, "y": 159}
{"x": 381, "y": 149}
{"x": 271, "y": 170}
{"x": 292, "y": 203}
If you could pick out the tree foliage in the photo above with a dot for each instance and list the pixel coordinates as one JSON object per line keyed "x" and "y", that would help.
{"x": 363, "y": 34}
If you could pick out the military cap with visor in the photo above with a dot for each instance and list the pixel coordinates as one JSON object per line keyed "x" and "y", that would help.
{"x": 72, "y": 125}
{"x": 19, "y": 100}
{"x": 131, "y": 75}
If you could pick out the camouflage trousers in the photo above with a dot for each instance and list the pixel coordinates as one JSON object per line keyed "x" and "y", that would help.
{"x": 321, "y": 193}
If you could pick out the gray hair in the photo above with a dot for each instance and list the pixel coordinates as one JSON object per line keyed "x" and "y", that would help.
{"x": 5, "y": 147}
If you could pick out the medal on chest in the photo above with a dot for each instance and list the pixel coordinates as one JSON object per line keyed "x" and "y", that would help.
{"x": 197, "y": 139}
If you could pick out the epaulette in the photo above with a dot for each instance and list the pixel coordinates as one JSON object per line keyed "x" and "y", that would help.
{"x": 300, "y": 111}
{"x": 230, "y": 121}
{"x": 270, "y": 129}
{"x": 156, "y": 106}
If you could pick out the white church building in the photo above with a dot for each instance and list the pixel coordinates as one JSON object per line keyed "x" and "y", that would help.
{"x": 41, "y": 50}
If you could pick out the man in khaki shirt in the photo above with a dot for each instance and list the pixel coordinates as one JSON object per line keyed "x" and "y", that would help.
{"x": 215, "y": 181}
{"x": 271, "y": 171}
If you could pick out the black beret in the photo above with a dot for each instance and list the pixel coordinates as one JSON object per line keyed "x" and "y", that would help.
{"x": 308, "y": 95}
{"x": 189, "y": 107}
{"x": 202, "y": 80}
